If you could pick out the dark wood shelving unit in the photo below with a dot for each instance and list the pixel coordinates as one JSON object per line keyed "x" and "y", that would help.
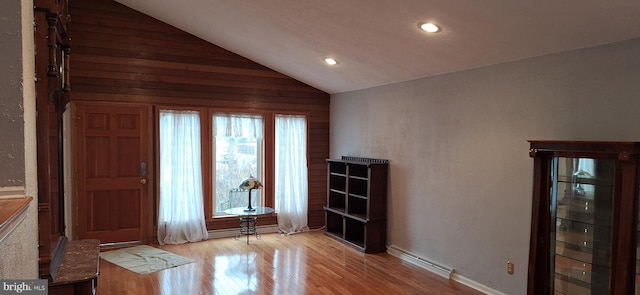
{"x": 357, "y": 202}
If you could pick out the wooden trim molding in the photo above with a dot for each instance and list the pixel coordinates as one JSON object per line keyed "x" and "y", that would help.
{"x": 12, "y": 212}
{"x": 12, "y": 192}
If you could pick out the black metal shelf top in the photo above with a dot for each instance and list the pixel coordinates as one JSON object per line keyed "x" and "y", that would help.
{"x": 365, "y": 160}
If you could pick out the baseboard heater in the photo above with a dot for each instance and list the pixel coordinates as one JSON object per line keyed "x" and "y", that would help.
{"x": 433, "y": 267}
{"x": 232, "y": 232}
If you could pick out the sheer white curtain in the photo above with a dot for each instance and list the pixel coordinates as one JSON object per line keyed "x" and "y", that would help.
{"x": 291, "y": 184}
{"x": 181, "y": 209}
{"x": 238, "y": 125}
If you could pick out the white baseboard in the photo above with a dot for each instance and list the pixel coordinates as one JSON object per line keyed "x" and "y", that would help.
{"x": 232, "y": 232}
{"x": 475, "y": 285}
{"x": 443, "y": 271}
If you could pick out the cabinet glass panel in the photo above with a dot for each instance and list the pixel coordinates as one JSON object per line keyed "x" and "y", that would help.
{"x": 581, "y": 198}
{"x": 637, "y": 277}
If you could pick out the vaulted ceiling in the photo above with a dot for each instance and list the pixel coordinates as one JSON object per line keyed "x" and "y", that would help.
{"x": 378, "y": 42}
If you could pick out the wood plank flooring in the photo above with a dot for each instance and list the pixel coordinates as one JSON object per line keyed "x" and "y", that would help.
{"x": 306, "y": 263}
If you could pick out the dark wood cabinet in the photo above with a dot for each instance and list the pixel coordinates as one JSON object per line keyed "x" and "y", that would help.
{"x": 357, "y": 202}
{"x": 71, "y": 267}
{"x": 584, "y": 228}
{"x": 52, "y": 51}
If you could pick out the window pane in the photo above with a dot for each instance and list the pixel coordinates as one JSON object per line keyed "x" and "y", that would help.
{"x": 238, "y": 150}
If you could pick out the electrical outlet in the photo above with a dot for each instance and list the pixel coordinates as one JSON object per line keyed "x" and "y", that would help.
{"x": 510, "y": 267}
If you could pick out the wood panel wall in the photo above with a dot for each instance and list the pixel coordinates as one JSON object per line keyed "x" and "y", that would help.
{"x": 121, "y": 55}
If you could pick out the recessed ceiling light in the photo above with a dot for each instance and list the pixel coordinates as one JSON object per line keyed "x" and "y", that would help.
{"x": 330, "y": 61}
{"x": 429, "y": 27}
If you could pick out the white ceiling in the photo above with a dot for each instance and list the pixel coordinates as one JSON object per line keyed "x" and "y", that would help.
{"x": 377, "y": 42}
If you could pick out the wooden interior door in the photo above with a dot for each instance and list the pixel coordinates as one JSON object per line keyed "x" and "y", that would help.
{"x": 112, "y": 164}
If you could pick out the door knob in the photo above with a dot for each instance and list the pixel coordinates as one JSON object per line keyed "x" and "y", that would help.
{"x": 143, "y": 181}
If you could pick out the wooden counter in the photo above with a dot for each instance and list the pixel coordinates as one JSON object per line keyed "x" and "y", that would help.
{"x": 12, "y": 212}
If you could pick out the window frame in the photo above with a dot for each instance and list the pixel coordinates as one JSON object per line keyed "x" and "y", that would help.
{"x": 207, "y": 158}
{"x": 213, "y": 151}
{"x": 267, "y": 179}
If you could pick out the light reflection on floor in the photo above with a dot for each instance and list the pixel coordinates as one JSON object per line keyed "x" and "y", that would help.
{"x": 239, "y": 273}
{"x": 288, "y": 271}
{"x": 172, "y": 280}
{"x": 236, "y": 273}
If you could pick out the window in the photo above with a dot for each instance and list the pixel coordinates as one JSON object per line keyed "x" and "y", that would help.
{"x": 238, "y": 152}
{"x": 235, "y": 146}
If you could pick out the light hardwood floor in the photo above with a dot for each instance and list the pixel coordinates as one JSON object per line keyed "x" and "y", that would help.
{"x": 306, "y": 263}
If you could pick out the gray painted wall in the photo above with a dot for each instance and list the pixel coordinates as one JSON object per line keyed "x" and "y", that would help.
{"x": 18, "y": 173}
{"x": 460, "y": 174}
{"x": 11, "y": 108}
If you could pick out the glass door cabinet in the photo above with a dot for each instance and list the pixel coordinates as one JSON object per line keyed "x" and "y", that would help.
{"x": 584, "y": 223}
